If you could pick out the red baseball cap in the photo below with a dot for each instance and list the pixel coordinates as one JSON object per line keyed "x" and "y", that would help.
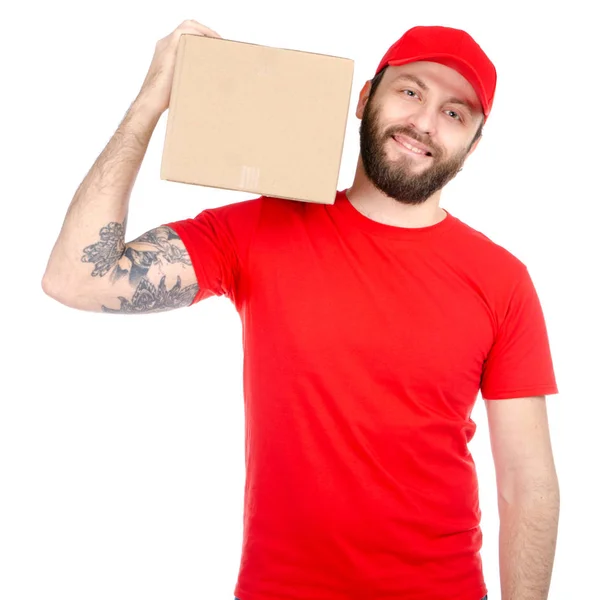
{"x": 451, "y": 47}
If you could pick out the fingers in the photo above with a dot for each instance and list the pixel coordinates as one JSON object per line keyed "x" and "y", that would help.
{"x": 201, "y": 28}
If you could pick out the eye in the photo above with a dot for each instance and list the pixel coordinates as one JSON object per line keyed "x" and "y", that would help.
{"x": 457, "y": 117}
{"x": 410, "y": 92}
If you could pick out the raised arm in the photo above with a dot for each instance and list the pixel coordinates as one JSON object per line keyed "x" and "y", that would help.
{"x": 91, "y": 267}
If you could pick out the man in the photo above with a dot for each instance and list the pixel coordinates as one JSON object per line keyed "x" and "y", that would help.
{"x": 369, "y": 328}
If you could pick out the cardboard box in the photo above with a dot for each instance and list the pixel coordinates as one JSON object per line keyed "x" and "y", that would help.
{"x": 269, "y": 121}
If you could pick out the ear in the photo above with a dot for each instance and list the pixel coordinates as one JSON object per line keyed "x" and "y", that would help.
{"x": 362, "y": 99}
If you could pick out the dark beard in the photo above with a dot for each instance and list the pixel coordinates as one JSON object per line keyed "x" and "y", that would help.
{"x": 392, "y": 178}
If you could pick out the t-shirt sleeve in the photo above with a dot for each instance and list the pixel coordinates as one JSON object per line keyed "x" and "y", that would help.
{"x": 519, "y": 362}
{"x": 217, "y": 241}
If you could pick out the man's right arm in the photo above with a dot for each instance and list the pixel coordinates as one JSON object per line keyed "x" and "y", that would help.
{"x": 91, "y": 267}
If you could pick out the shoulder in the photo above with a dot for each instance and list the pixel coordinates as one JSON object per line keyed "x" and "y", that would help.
{"x": 480, "y": 248}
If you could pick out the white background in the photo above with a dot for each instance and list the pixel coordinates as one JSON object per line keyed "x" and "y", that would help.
{"x": 121, "y": 438}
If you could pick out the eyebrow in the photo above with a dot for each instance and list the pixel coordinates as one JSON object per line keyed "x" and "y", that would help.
{"x": 453, "y": 100}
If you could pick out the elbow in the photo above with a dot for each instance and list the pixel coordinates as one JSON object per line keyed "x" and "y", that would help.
{"x": 73, "y": 296}
{"x": 56, "y": 291}
{"x": 47, "y": 286}
{"x": 542, "y": 487}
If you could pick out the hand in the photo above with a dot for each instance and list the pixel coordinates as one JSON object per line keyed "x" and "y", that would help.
{"x": 156, "y": 88}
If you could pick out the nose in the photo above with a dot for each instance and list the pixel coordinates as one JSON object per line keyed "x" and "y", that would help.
{"x": 423, "y": 119}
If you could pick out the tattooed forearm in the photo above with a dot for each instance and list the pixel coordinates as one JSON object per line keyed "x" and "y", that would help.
{"x": 149, "y": 298}
{"x": 135, "y": 258}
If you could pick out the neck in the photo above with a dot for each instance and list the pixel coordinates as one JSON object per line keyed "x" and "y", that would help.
{"x": 376, "y": 205}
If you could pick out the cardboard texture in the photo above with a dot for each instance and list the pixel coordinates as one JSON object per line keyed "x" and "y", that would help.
{"x": 264, "y": 120}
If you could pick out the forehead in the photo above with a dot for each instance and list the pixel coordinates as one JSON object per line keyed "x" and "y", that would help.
{"x": 432, "y": 75}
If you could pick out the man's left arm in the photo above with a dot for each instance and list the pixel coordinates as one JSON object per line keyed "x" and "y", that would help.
{"x": 528, "y": 495}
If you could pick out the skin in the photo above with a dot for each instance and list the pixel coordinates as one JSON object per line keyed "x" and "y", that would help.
{"x": 392, "y": 185}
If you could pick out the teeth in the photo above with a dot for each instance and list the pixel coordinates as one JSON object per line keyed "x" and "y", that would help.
{"x": 416, "y": 150}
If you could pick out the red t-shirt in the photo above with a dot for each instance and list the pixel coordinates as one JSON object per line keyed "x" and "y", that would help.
{"x": 365, "y": 347}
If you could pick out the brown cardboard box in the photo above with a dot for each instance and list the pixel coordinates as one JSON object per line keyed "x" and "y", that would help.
{"x": 269, "y": 121}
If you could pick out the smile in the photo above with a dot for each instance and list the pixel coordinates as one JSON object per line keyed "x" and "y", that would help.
{"x": 411, "y": 149}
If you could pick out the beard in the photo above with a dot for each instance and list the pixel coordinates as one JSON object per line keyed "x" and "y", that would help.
{"x": 395, "y": 177}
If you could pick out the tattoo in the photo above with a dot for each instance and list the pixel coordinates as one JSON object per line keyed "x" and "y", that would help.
{"x": 148, "y": 298}
{"x": 106, "y": 253}
{"x": 152, "y": 248}
{"x": 160, "y": 237}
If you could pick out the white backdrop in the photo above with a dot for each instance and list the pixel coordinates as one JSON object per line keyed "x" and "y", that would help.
{"x": 121, "y": 437}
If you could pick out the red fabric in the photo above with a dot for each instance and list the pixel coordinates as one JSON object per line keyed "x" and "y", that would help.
{"x": 365, "y": 347}
{"x": 452, "y": 47}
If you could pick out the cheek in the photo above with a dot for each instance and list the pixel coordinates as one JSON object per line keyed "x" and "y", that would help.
{"x": 395, "y": 117}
